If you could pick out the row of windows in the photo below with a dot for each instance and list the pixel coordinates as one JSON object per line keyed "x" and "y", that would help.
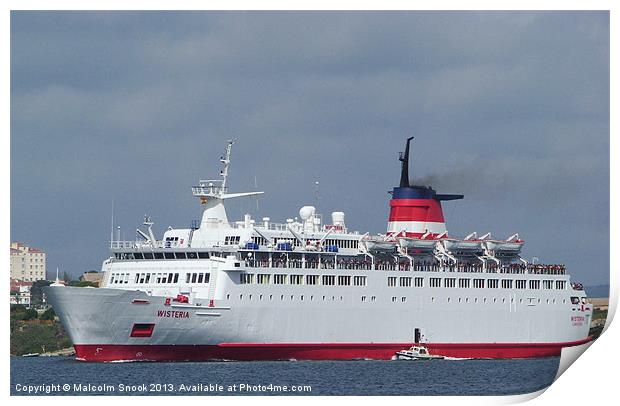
{"x": 161, "y": 255}
{"x": 395, "y": 299}
{"x": 159, "y": 278}
{"x": 284, "y": 279}
{"x": 418, "y": 282}
{"x": 232, "y": 240}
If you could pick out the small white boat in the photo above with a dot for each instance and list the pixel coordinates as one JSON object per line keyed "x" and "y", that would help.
{"x": 374, "y": 244}
{"x": 417, "y": 244}
{"x": 415, "y": 353}
{"x": 505, "y": 247}
{"x": 455, "y": 246}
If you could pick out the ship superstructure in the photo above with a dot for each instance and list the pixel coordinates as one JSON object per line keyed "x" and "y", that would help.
{"x": 303, "y": 289}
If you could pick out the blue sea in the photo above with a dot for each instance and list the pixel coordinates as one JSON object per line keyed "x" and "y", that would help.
{"x": 66, "y": 376}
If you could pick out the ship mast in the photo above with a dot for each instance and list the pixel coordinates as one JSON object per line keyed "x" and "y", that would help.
{"x": 212, "y": 194}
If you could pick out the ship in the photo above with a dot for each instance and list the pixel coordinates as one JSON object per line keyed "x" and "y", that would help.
{"x": 309, "y": 289}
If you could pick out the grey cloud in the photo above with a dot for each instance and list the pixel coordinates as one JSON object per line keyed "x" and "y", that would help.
{"x": 136, "y": 107}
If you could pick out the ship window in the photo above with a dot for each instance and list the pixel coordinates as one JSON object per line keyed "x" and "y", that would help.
{"x": 279, "y": 279}
{"x": 148, "y": 255}
{"x": 188, "y": 277}
{"x": 547, "y": 284}
{"x": 534, "y": 284}
{"x": 170, "y": 277}
{"x": 246, "y": 278}
{"x": 506, "y": 283}
{"x": 137, "y": 278}
{"x": 138, "y": 255}
{"x": 394, "y": 299}
{"x": 463, "y": 283}
{"x": 262, "y": 279}
{"x": 418, "y": 282}
{"x": 520, "y": 284}
{"x": 492, "y": 283}
{"x": 142, "y": 278}
{"x": 200, "y": 278}
{"x": 158, "y": 255}
{"x": 148, "y": 278}
{"x": 194, "y": 277}
{"x": 574, "y": 300}
{"x": 296, "y": 279}
{"x": 312, "y": 279}
{"x": 176, "y": 278}
{"x": 169, "y": 255}
{"x": 363, "y": 298}
{"x": 373, "y": 298}
{"x": 180, "y": 255}
{"x": 405, "y": 281}
{"x": 359, "y": 280}
{"x": 403, "y": 299}
{"x": 344, "y": 280}
{"x": 450, "y": 282}
{"x": 391, "y": 281}
{"x": 329, "y": 280}
{"x": 207, "y": 277}
{"x": 435, "y": 282}
{"x": 203, "y": 255}
{"x": 479, "y": 283}
{"x": 560, "y": 284}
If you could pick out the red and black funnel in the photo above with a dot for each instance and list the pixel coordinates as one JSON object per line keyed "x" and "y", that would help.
{"x": 416, "y": 210}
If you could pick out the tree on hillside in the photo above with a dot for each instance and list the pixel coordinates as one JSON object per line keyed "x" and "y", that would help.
{"x": 49, "y": 314}
{"x": 36, "y": 292}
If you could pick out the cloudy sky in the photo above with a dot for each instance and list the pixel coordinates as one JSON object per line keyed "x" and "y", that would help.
{"x": 510, "y": 109}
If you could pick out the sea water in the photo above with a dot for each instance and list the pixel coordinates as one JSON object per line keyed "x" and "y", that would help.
{"x": 66, "y": 376}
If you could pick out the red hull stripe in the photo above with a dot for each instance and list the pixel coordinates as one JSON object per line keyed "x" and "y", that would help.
{"x": 416, "y": 210}
{"x": 255, "y": 351}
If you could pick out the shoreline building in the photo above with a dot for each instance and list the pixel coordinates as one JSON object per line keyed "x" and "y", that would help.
{"x": 27, "y": 263}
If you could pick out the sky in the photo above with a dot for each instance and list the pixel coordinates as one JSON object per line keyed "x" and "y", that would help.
{"x": 124, "y": 111}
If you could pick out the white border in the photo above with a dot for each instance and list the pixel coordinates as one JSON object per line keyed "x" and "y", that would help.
{"x": 590, "y": 381}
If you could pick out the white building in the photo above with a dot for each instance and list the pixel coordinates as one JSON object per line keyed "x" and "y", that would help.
{"x": 27, "y": 263}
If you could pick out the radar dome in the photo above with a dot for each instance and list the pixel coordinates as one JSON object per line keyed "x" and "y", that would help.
{"x": 306, "y": 212}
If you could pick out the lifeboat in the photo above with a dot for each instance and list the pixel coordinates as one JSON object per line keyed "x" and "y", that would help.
{"x": 511, "y": 245}
{"x": 417, "y": 244}
{"x": 379, "y": 244}
{"x": 469, "y": 245}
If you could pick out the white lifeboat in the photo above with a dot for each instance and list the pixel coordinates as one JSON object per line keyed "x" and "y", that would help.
{"x": 379, "y": 244}
{"x": 511, "y": 245}
{"x": 426, "y": 243}
{"x": 468, "y": 245}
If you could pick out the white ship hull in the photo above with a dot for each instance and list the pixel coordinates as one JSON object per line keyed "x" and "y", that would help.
{"x": 321, "y": 322}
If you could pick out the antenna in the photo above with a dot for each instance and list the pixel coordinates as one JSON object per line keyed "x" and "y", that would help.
{"x": 112, "y": 226}
{"x": 317, "y": 192}
{"x": 256, "y": 188}
{"x": 226, "y": 162}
